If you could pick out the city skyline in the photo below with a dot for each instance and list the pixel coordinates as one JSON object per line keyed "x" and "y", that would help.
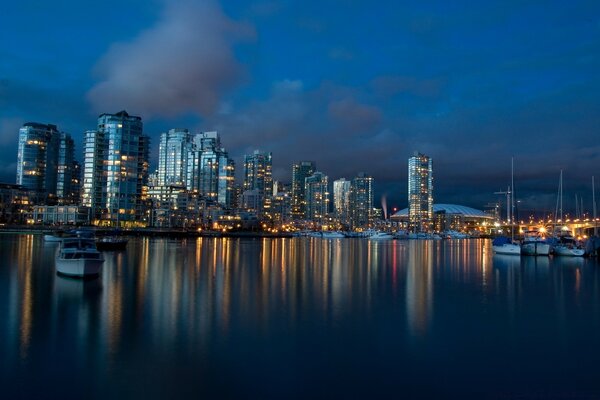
{"x": 469, "y": 85}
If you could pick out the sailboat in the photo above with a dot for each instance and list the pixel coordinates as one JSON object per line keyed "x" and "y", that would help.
{"x": 504, "y": 245}
{"x": 566, "y": 245}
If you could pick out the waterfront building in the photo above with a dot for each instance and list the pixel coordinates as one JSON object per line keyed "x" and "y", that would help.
{"x": 174, "y": 148}
{"x": 45, "y": 162}
{"x": 15, "y": 203}
{"x": 258, "y": 177}
{"x": 316, "y": 193}
{"x": 173, "y": 206}
{"x": 300, "y": 171}
{"x": 341, "y": 200}
{"x": 452, "y": 217}
{"x": 115, "y": 171}
{"x": 210, "y": 171}
{"x": 361, "y": 201}
{"x": 61, "y": 215}
{"x": 281, "y": 204}
{"x": 66, "y": 171}
{"x": 420, "y": 192}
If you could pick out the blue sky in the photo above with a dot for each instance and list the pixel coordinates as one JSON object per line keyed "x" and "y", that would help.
{"x": 352, "y": 85}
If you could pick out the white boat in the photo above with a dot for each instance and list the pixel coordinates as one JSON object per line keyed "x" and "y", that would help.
{"x": 78, "y": 257}
{"x": 380, "y": 236}
{"x": 451, "y": 234}
{"x": 567, "y": 246}
{"x": 52, "y": 238}
{"x": 400, "y": 235}
{"x": 332, "y": 235}
{"x": 418, "y": 235}
{"x": 504, "y": 245}
{"x": 534, "y": 244}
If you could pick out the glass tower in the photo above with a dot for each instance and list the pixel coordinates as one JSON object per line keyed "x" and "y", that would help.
{"x": 116, "y": 170}
{"x": 420, "y": 192}
{"x": 341, "y": 200}
{"x": 317, "y": 197}
{"x": 361, "y": 201}
{"x": 300, "y": 171}
{"x": 45, "y": 161}
{"x": 174, "y": 148}
{"x": 258, "y": 176}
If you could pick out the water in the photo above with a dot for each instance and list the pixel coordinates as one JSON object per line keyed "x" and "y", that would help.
{"x": 284, "y": 318}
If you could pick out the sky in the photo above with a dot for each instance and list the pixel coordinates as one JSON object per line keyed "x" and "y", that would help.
{"x": 352, "y": 85}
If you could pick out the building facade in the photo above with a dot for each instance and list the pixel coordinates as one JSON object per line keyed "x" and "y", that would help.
{"x": 316, "y": 192}
{"x": 361, "y": 201}
{"x": 300, "y": 171}
{"x": 45, "y": 163}
{"x": 258, "y": 177}
{"x": 115, "y": 171}
{"x": 341, "y": 200}
{"x": 174, "y": 148}
{"x": 420, "y": 192}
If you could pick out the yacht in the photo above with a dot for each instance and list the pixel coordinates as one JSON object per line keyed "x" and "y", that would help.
{"x": 451, "y": 234}
{"x": 567, "y": 246}
{"x": 400, "y": 234}
{"x": 78, "y": 257}
{"x": 380, "y": 236}
{"x": 534, "y": 244}
{"x": 504, "y": 245}
{"x": 332, "y": 235}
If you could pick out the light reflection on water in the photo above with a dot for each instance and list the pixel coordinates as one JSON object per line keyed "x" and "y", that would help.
{"x": 287, "y": 317}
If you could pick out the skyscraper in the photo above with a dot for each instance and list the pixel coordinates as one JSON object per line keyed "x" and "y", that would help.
{"x": 361, "y": 201}
{"x": 341, "y": 200}
{"x": 210, "y": 171}
{"x": 258, "y": 176}
{"x": 174, "y": 148}
{"x": 317, "y": 197}
{"x": 45, "y": 161}
{"x": 115, "y": 170}
{"x": 300, "y": 171}
{"x": 420, "y": 192}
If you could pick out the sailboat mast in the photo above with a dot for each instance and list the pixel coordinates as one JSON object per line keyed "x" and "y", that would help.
{"x": 512, "y": 196}
{"x": 594, "y": 205}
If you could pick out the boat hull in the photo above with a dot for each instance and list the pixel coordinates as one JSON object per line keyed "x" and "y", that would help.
{"x": 565, "y": 251}
{"x": 535, "y": 249}
{"x": 79, "y": 267}
{"x": 508, "y": 249}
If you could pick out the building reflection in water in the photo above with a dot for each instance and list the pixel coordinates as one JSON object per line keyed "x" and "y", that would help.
{"x": 185, "y": 298}
{"x": 419, "y": 286}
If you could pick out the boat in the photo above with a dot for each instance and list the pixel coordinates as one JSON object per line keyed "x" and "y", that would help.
{"x": 109, "y": 243}
{"x": 332, "y": 235}
{"x": 451, "y": 234}
{"x": 418, "y": 235}
{"x": 78, "y": 257}
{"x": 400, "y": 235}
{"x": 567, "y": 246}
{"x": 505, "y": 245}
{"x": 534, "y": 244}
{"x": 51, "y": 238}
{"x": 379, "y": 235}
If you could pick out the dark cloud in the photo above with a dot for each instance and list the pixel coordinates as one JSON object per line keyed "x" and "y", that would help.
{"x": 184, "y": 63}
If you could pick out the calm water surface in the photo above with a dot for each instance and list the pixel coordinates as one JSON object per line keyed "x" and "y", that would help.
{"x": 281, "y": 318}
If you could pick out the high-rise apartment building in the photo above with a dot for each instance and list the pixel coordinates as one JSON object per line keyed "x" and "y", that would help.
{"x": 45, "y": 162}
{"x": 316, "y": 193}
{"x": 258, "y": 176}
{"x": 115, "y": 170}
{"x": 300, "y": 171}
{"x": 420, "y": 192}
{"x": 361, "y": 201}
{"x": 174, "y": 148}
{"x": 341, "y": 200}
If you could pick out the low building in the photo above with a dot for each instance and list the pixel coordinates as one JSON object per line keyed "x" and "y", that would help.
{"x": 61, "y": 215}
{"x": 15, "y": 203}
{"x": 452, "y": 217}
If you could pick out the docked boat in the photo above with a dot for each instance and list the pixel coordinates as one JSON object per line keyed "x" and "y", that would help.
{"x": 451, "y": 234}
{"x": 78, "y": 257}
{"x": 400, "y": 235}
{"x": 51, "y": 238}
{"x": 504, "y": 245}
{"x": 567, "y": 246}
{"x": 113, "y": 243}
{"x": 418, "y": 235}
{"x": 534, "y": 244}
{"x": 380, "y": 236}
{"x": 332, "y": 235}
